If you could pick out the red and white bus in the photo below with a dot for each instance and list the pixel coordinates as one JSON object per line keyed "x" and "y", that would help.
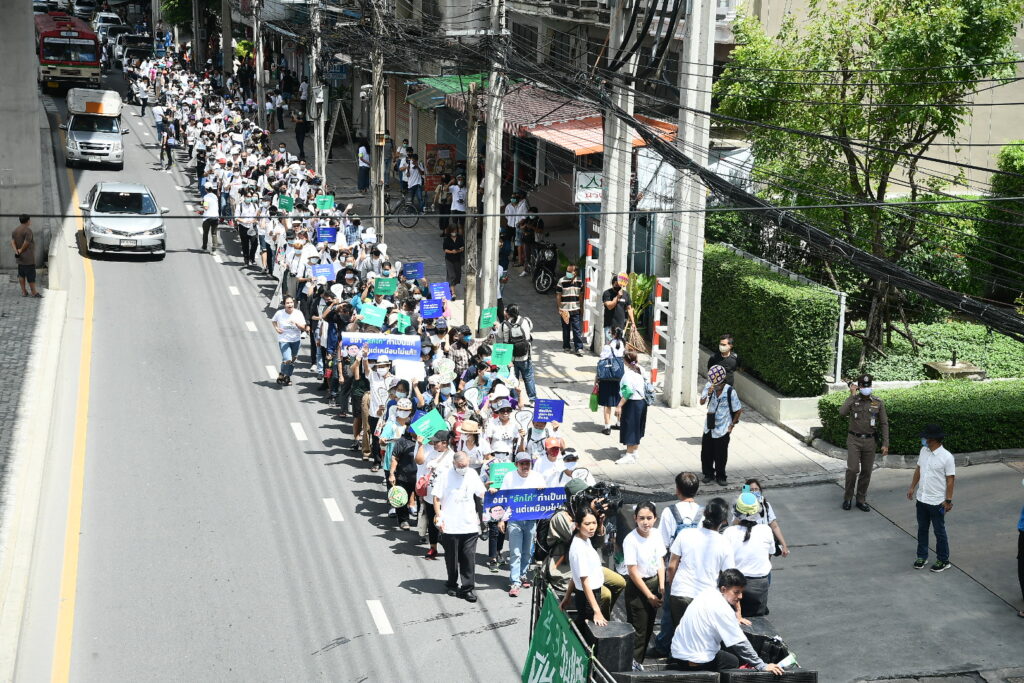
{"x": 68, "y": 51}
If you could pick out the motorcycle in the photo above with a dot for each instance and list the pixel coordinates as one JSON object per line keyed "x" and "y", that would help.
{"x": 544, "y": 266}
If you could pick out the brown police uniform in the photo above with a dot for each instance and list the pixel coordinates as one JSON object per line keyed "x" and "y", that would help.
{"x": 867, "y": 415}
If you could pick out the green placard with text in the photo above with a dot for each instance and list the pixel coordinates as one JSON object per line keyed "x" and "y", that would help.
{"x": 325, "y": 202}
{"x": 501, "y": 354}
{"x": 488, "y": 317}
{"x": 385, "y": 286}
{"x": 285, "y": 203}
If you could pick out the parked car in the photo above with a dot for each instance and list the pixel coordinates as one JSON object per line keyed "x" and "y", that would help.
{"x": 130, "y": 40}
{"x": 105, "y": 19}
{"x": 83, "y": 8}
{"x": 124, "y": 218}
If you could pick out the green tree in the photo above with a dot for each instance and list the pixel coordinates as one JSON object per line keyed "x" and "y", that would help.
{"x": 1006, "y": 226}
{"x": 895, "y": 74}
{"x": 179, "y": 12}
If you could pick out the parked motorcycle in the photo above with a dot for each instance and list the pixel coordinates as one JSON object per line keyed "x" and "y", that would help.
{"x": 544, "y": 266}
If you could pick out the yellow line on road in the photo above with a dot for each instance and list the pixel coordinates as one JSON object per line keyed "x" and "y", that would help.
{"x": 61, "y": 670}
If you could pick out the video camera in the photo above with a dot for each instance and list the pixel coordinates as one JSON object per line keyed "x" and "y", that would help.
{"x": 603, "y": 498}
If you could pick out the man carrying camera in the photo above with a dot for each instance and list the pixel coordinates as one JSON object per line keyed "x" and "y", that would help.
{"x": 867, "y": 415}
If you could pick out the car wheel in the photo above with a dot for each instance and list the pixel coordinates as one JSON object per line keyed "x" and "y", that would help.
{"x": 69, "y": 163}
{"x": 119, "y": 167}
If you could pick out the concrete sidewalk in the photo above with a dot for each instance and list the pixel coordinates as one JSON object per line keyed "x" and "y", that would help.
{"x": 758, "y": 448}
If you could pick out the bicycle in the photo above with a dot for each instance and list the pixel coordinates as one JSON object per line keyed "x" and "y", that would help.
{"x": 403, "y": 210}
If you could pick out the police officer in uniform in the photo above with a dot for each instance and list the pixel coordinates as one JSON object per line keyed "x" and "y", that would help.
{"x": 867, "y": 416}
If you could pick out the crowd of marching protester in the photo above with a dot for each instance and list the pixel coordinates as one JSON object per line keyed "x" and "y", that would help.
{"x": 451, "y": 422}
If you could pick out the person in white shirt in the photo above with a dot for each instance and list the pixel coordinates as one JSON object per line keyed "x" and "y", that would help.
{"x": 211, "y": 216}
{"x": 363, "y": 155}
{"x": 935, "y": 472}
{"x": 710, "y": 623}
{"x": 455, "y": 515}
{"x": 571, "y": 460}
{"x": 686, "y": 513}
{"x": 632, "y": 408}
{"x": 459, "y": 201}
{"x": 550, "y": 465}
{"x": 753, "y": 546}
{"x": 643, "y": 553}
{"x": 521, "y": 532}
{"x": 434, "y": 459}
{"x": 587, "y": 571}
{"x": 289, "y": 323}
{"x": 413, "y": 170}
{"x": 698, "y": 555}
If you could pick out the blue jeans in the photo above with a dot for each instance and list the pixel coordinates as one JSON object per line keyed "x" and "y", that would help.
{"x": 935, "y": 516}
{"x": 575, "y": 326}
{"x": 225, "y": 205}
{"x": 524, "y": 370}
{"x": 520, "y": 547}
{"x": 663, "y": 641}
{"x": 289, "y": 351}
{"x": 416, "y": 197}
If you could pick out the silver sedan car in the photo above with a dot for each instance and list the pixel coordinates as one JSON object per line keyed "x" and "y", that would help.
{"x": 124, "y": 218}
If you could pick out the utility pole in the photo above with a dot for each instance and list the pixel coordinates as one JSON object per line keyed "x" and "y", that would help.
{"x": 681, "y": 367}
{"x": 614, "y": 236}
{"x": 257, "y": 35}
{"x": 228, "y": 50}
{"x": 198, "y": 37}
{"x": 315, "y": 106}
{"x": 492, "y": 179}
{"x": 377, "y": 120}
{"x": 471, "y": 311}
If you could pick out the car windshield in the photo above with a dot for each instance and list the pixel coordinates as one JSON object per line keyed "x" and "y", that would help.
{"x": 69, "y": 50}
{"x": 125, "y": 202}
{"x": 95, "y": 124}
{"x": 115, "y": 31}
{"x": 135, "y": 41}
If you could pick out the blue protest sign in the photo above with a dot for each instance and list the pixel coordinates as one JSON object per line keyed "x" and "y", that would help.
{"x": 441, "y": 290}
{"x": 327, "y": 234}
{"x": 527, "y": 503}
{"x": 431, "y": 308}
{"x": 325, "y": 269}
{"x": 395, "y": 346}
{"x": 548, "y": 409}
{"x": 413, "y": 271}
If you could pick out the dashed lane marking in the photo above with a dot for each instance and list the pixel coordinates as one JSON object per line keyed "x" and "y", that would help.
{"x": 271, "y": 371}
{"x": 333, "y": 511}
{"x": 379, "y": 617}
{"x": 250, "y": 325}
{"x": 233, "y": 290}
{"x": 300, "y": 433}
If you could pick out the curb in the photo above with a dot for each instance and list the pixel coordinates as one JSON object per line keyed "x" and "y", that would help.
{"x": 906, "y": 462}
{"x": 781, "y": 481}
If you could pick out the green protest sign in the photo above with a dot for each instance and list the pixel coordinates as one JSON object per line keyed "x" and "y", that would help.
{"x": 556, "y": 654}
{"x": 488, "y": 317}
{"x": 285, "y": 203}
{"x": 496, "y": 474}
{"x": 373, "y": 315}
{"x": 404, "y": 322}
{"x": 385, "y": 286}
{"x": 501, "y": 354}
{"x": 325, "y": 202}
{"x": 429, "y": 424}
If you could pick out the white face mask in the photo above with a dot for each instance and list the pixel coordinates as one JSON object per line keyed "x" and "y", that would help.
{"x": 570, "y": 466}
{"x": 382, "y": 372}
{"x": 461, "y": 471}
{"x": 865, "y": 391}
{"x": 537, "y": 433}
{"x": 722, "y": 348}
{"x": 403, "y": 413}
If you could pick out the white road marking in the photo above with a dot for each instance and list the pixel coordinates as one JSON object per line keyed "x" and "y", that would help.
{"x": 300, "y": 433}
{"x": 379, "y": 618}
{"x": 218, "y": 259}
{"x": 199, "y": 229}
{"x": 250, "y": 325}
{"x": 234, "y": 290}
{"x": 333, "y": 511}
{"x": 169, "y": 172}
{"x": 145, "y": 132}
{"x": 271, "y": 371}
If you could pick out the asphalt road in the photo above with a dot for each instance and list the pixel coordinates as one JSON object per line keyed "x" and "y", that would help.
{"x": 210, "y": 546}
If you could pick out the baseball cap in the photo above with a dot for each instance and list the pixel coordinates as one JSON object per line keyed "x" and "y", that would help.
{"x": 552, "y": 442}
{"x": 570, "y": 454}
{"x": 440, "y": 435}
{"x": 523, "y": 456}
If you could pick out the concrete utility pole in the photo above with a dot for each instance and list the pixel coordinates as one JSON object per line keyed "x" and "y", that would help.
{"x": 257, "y": 36}
{"x": 198, "y": 37}
{"x": 471, "y": 311}
{"x": 492, "y": 180}
{"x": 227, "y": 49}
{"x": 681, "y": 367}
{"x": 614, "y": 236}
{"x": 377, "y": 120}
{"x": 315, "y": 111}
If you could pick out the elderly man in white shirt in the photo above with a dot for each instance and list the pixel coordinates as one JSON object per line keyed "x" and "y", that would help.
{"x": 456, "y": 517}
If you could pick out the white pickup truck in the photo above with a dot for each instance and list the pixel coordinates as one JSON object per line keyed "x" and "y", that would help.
{"x": 94, "y": 127}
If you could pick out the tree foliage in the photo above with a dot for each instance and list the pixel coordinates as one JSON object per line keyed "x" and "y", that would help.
{"x": 179, "y": 12}
{"x": 894, "y": 75}
{"x": 1006, "y": 226}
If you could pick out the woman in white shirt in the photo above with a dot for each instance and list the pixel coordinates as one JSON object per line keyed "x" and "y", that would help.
{"x": 587, "y": 571}
{"x": 608, "y": 389}
{"x": 698, "y": 555}
{"x": 633, "y": 408}
{"x": 289, "y": 323}
{"x": 644, "y": 556}
{"x": 752, "y": 547}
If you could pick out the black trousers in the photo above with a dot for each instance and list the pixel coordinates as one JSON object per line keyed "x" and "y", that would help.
{"x": 209, "y": 225}
{"x": 432, "y": 531}
{"x": 723, "y": 661}
{"x": 248, "y": 243}
{"x": 640, "y": 613}
{"x": 460, "y": 560}
{"x": 410, "y": 488}
{"x": 1020, "y": 561}
{"x": 714, "y": 454}
{"x": 453, "y": 268}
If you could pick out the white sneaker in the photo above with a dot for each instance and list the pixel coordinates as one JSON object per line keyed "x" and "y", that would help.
{"x": 524, "y": 273}
{"x": 392, "y": 512}
{"x": 627, "y": 459}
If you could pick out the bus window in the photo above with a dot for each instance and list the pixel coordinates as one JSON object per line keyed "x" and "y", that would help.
{"x": 69, "y": 50}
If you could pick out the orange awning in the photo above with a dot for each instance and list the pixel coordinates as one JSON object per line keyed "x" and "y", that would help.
{"x": 586, "y": 136}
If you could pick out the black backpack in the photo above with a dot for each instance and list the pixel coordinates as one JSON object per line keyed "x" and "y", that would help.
{"x": 542, "y": 539}
{"x": 518, "y": 338}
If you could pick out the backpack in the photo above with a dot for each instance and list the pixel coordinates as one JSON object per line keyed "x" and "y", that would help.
{"x": 680, "y": 522}
{"x": 518, "y": 338}
{"x": 542, "y": 539}
{"x": 610, "y": 368}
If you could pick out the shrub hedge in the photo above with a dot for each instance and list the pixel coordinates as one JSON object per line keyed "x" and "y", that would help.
{"x": 976, "y": 416}
{"x": 784, "y": 329}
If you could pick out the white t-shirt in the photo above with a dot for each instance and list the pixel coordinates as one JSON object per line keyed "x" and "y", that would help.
{"x": 689, "y": 511}
{"x": 377, "y": 382}
{"x": 635, "y": 382}
{"x": 502, "y": 438}
{"x": 531, "y": 481}
{"x": 753, "y": 557}
{"x": 458, "y": 509}
{"x": 211, "y": 205}
{"x": 703, "y": 554}
{"x": 584, "y": 561}
{"x": 291, "y": 325}
{"x": 459, "y": 196}
{"x": 414, "y": 173}
{"x": 548, "y": 469}
{"x": 647, "y": 554}
{"x": 364, "y": 157}
{"x": 935, "y": 467}
{"x": 709, "y": 622}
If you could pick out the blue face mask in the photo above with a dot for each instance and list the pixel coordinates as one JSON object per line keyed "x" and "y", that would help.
{"x": 467, "y": 339}
{"x": 402, "y": 394}
{"x": 488, "y": 376}
{"x": 924, "y": 442}
{"x": 758, "y": 495}
{"x": 446, "y": 391}
{"x": 386, "y": 273}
